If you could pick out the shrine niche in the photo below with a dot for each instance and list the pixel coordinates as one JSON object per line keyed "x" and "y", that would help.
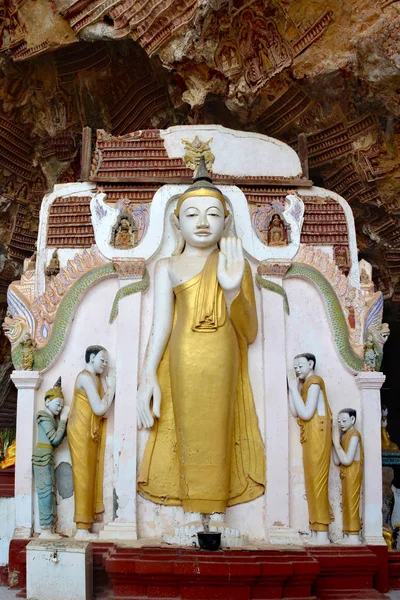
{"x": 125, "y": 232}
{"x": 98, "y": 298}
{"x": 276, "y": 232}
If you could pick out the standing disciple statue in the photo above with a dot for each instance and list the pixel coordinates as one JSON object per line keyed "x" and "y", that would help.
{"x": 205, "y": 450}
{"x": 51, "y": 432}
{"x": 308, "y": 402}
{"x": 348, "y": 453}
{"x": 93, "y": 396}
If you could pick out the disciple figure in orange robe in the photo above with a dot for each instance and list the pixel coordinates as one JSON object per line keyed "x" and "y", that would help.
{"x": 309, "y": 403}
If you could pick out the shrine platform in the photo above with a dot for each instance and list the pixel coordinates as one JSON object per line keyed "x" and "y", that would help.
{"x": 123, "y": 572}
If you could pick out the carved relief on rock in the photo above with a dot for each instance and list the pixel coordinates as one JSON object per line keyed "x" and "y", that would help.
{"x": 261, "y": 216}
{"x": 195, "y": 150}
{"x": 276, "y": 231}
{"x": 342, "y": 257}
{"x": 124, "y": 232}
{"x": 139, "y": 215}
{"x": 261, "y": 49}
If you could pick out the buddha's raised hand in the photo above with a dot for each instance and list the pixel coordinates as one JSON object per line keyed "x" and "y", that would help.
{"x": 149, "y": 389}
{"x": 230, "y": 264}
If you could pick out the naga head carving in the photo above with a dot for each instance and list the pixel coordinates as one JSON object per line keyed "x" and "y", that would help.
{"x": 15, "y": 328}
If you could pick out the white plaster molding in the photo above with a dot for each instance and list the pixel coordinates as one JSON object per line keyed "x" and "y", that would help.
{"x": 254, "y": 247}
{"x": 284, "y": 535}
{"x": 237, "y": 153}
{"x": 27, "y": 380}
{"x": 22, "y": 533}
{"x": 370, "y": 380}
{"x": 104, "y": 217}
{"x": 374, "y": 540}
{"x": 63, "y": 189}
{"x": 354, "y": 273}
{"x": 118, "y": 531}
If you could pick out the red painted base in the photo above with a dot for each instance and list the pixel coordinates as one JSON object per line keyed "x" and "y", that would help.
{"x": 326, "y": 573}
{"x": 7, "y": 481}
{"x": 394, "y": 570}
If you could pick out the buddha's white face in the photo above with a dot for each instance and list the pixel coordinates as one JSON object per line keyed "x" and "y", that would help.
{"x": 99, "y": 361}
{"x": 345, "y": 422}
{"x": 201, "y": 221}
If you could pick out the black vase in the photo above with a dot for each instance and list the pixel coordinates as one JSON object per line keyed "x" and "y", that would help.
{"x": 209, "y": 541}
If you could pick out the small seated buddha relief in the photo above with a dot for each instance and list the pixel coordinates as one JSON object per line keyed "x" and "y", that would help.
{"x": 276, "y": 231}
{"x": 125, "y": 232}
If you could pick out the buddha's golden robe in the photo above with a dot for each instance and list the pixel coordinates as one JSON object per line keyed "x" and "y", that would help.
{"x": 351, "y": 477}
{"x": 206, "y": 451}
{"x": 316, "y": 439}
{"x": 87, "y": 440}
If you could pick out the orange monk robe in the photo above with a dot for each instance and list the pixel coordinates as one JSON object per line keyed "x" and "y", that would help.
{"x": 351, "y": 477}
{"x": 206, "y": 451}
{"x": 316, "y": 439}
{"x": 87, "y": 441}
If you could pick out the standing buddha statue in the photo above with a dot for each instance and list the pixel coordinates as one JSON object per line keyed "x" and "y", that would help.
{"x": 205, "y": 450}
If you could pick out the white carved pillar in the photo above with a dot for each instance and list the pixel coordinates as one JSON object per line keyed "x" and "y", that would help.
{"x": 277, "y": 521}
{"x": 369, "y": 383}
{"x": 127, "y": 322}
{"x": 27, "y": 382}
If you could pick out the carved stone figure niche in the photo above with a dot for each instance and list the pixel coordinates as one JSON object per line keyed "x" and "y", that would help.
{"x": 276, "y": 231}
{"x": 125, "y": 232}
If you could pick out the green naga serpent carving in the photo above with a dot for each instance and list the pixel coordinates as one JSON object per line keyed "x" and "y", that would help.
{"x": 334, "y": 309}
{"x": 45, "y": 356}
{"x": 274, "y": 287}
{"x": 127, "y": 290}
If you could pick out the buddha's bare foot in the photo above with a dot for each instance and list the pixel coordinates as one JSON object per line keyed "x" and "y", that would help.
{"x": 320, "y": 538}
{"x": 350, "y": 540}
{"x": 85, "y": 534}
{"x": 230, "y": 536}
{"x": 186, "y": 535}
{"x": 190, "y": 529}
{"x": 48, "y": 534}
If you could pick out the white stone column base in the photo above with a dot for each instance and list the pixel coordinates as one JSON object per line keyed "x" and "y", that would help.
{"x": 284, "y": 535}
{"x": 374, "y": 540}
{"x": 22, "y": 533}
{"x": 118, "y": 531}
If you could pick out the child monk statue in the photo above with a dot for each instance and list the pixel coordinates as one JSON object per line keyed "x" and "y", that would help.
{"x": 51, "y": 432}
{"x": 93, "y": 396}
{"x": 205, "y": 450}
{"x": 309, "y": 403}
{"x": 348, "y": 453}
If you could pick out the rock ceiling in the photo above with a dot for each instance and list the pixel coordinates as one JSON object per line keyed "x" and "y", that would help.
{"x": 326, "y": 69}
